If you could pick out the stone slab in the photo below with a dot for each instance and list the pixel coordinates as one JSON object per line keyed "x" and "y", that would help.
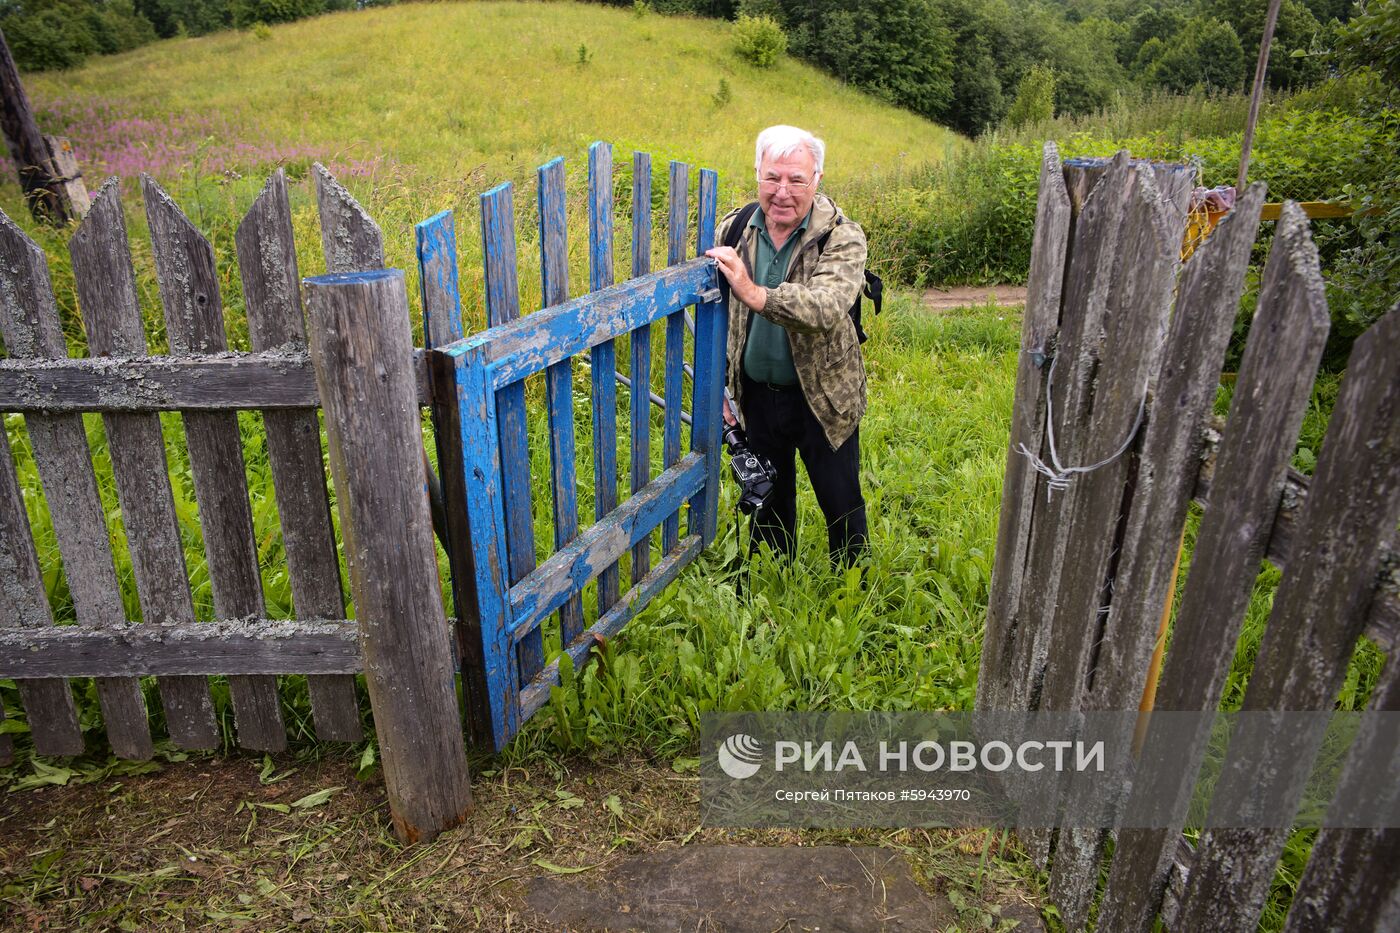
{"x": 744, "y": 889}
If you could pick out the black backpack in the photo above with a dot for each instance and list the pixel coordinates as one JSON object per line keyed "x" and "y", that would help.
{"x": 874, "y": 289}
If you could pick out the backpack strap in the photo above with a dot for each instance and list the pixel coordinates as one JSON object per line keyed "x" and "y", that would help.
{"x": 735, "y": 233}
{"x": 873, "y": 287}
{"x": 732, "y": 236}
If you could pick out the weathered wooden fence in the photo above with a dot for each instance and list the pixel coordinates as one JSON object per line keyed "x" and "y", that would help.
{"x": 1121, "y": 357}
{"x": 360, "y": 367}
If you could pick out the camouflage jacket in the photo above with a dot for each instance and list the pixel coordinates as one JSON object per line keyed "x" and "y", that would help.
{"x": 813, "y": 306}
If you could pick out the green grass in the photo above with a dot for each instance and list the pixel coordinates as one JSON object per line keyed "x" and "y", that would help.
{"x": 906, "y": 634}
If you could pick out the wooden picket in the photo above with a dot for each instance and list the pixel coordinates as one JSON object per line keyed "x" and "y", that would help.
{"x": 25, "y": 612}
{"x": 1349, "y": 883}
{"x": 268, "y": 263}
{"x": 1019, "y": 491}
{"x": 1076, "y": 634}
{"x": 675, "y": 341}
{"x": 194, "y": 324}
{"x": 641, "y": 353}
{"x": 375, "y": 441}
{"x": 604, "y": 356}
{"x": 107, "y": 298}
{"x": 30, "y": 326}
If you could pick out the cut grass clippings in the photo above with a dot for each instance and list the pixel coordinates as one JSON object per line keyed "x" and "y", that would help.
{"x": 208, "y": 843}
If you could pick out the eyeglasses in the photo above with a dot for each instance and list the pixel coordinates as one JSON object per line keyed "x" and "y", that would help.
{"x": 771, "y": 186}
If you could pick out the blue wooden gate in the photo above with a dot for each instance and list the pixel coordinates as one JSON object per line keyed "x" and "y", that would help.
{"x": 503, "y": 598}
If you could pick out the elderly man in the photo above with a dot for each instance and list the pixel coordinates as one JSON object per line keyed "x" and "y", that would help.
{"x": 794, "y": 361}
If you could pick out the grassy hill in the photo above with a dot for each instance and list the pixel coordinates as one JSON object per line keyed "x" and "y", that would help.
{"x": 472, "y": 91}
{"x": 421, "y": 107}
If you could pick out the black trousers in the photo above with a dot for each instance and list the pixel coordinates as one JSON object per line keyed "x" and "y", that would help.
{"x": 781, "y": 426}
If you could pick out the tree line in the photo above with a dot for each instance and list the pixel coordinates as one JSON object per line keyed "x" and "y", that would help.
{"x": 54, "y": 34}
{"x": 971, "y": 64}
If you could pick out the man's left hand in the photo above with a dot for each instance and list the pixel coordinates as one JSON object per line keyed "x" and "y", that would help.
{"x": 743, "y": 287}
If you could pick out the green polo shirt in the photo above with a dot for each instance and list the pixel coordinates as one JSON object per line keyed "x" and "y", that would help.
{"x": 767, "y": 354}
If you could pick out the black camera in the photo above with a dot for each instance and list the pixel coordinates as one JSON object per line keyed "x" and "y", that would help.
{"x": 753, "y": 472}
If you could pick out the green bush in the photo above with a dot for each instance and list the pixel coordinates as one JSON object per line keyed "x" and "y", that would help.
{"x": 248, "y": 12}
{"x": 46, "y": 41}
{"x": 899, "y": 50}
{"x": 1035, "y": 98}
{"x": 759, "y": 40}
{"x": 971, "y": 219}
{"x": 1207, "y": 53}
{"x": 52, "y": 35}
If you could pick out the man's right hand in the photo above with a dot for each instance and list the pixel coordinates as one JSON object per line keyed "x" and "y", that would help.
{"x": 729, "y": 413}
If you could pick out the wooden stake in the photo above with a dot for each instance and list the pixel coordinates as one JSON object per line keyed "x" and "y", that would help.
{"x": 1260, "y": 69}
{"x": 1154, "y": 669}
{"x": 42, "y": 191}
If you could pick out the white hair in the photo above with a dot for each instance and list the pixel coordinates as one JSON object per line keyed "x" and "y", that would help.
{"x": 779, "y": 141}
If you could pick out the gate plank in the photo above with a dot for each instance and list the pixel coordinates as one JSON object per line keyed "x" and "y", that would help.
{"x": 189, "y": 290}
{"x": 711, "y": 333}
{"x": 1319, "y": 610}
{"x": 436, "y": 240}
{"x": 534, "y": 696}
{"x": 604, "y": 355}
{"x": 475, "y": 415}
{"x": 268, "y": 265}
{"x": 48, "y": 704}
{"x": 554, "y": 272}
{"x": 552, "y": 335}
{"x": 1351, "y": 882}
{"x": 675, "y": 342}
{"x": 640, "y": 394}
{"x": 502, "y": 307}
{"x": 1018, "y": 497}
{"x": 30, "y": 327}
{"x": 571, "y": 567}
{"x": 112, "y": 315}
{"x": 442, "y": 325}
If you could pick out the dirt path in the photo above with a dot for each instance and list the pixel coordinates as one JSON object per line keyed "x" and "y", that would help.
{"x": 962, "y": 296}
{"x": 292, "y": 843}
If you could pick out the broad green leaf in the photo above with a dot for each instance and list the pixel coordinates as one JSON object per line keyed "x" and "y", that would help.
{"x": 562, "y": 869}
{"x": 316, "y": 799}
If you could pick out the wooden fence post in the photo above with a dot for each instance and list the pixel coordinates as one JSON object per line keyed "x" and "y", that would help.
{"x": 361, "y": 348}
{"x": 45, "y": 195}
{"x": 67, "y": 175}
